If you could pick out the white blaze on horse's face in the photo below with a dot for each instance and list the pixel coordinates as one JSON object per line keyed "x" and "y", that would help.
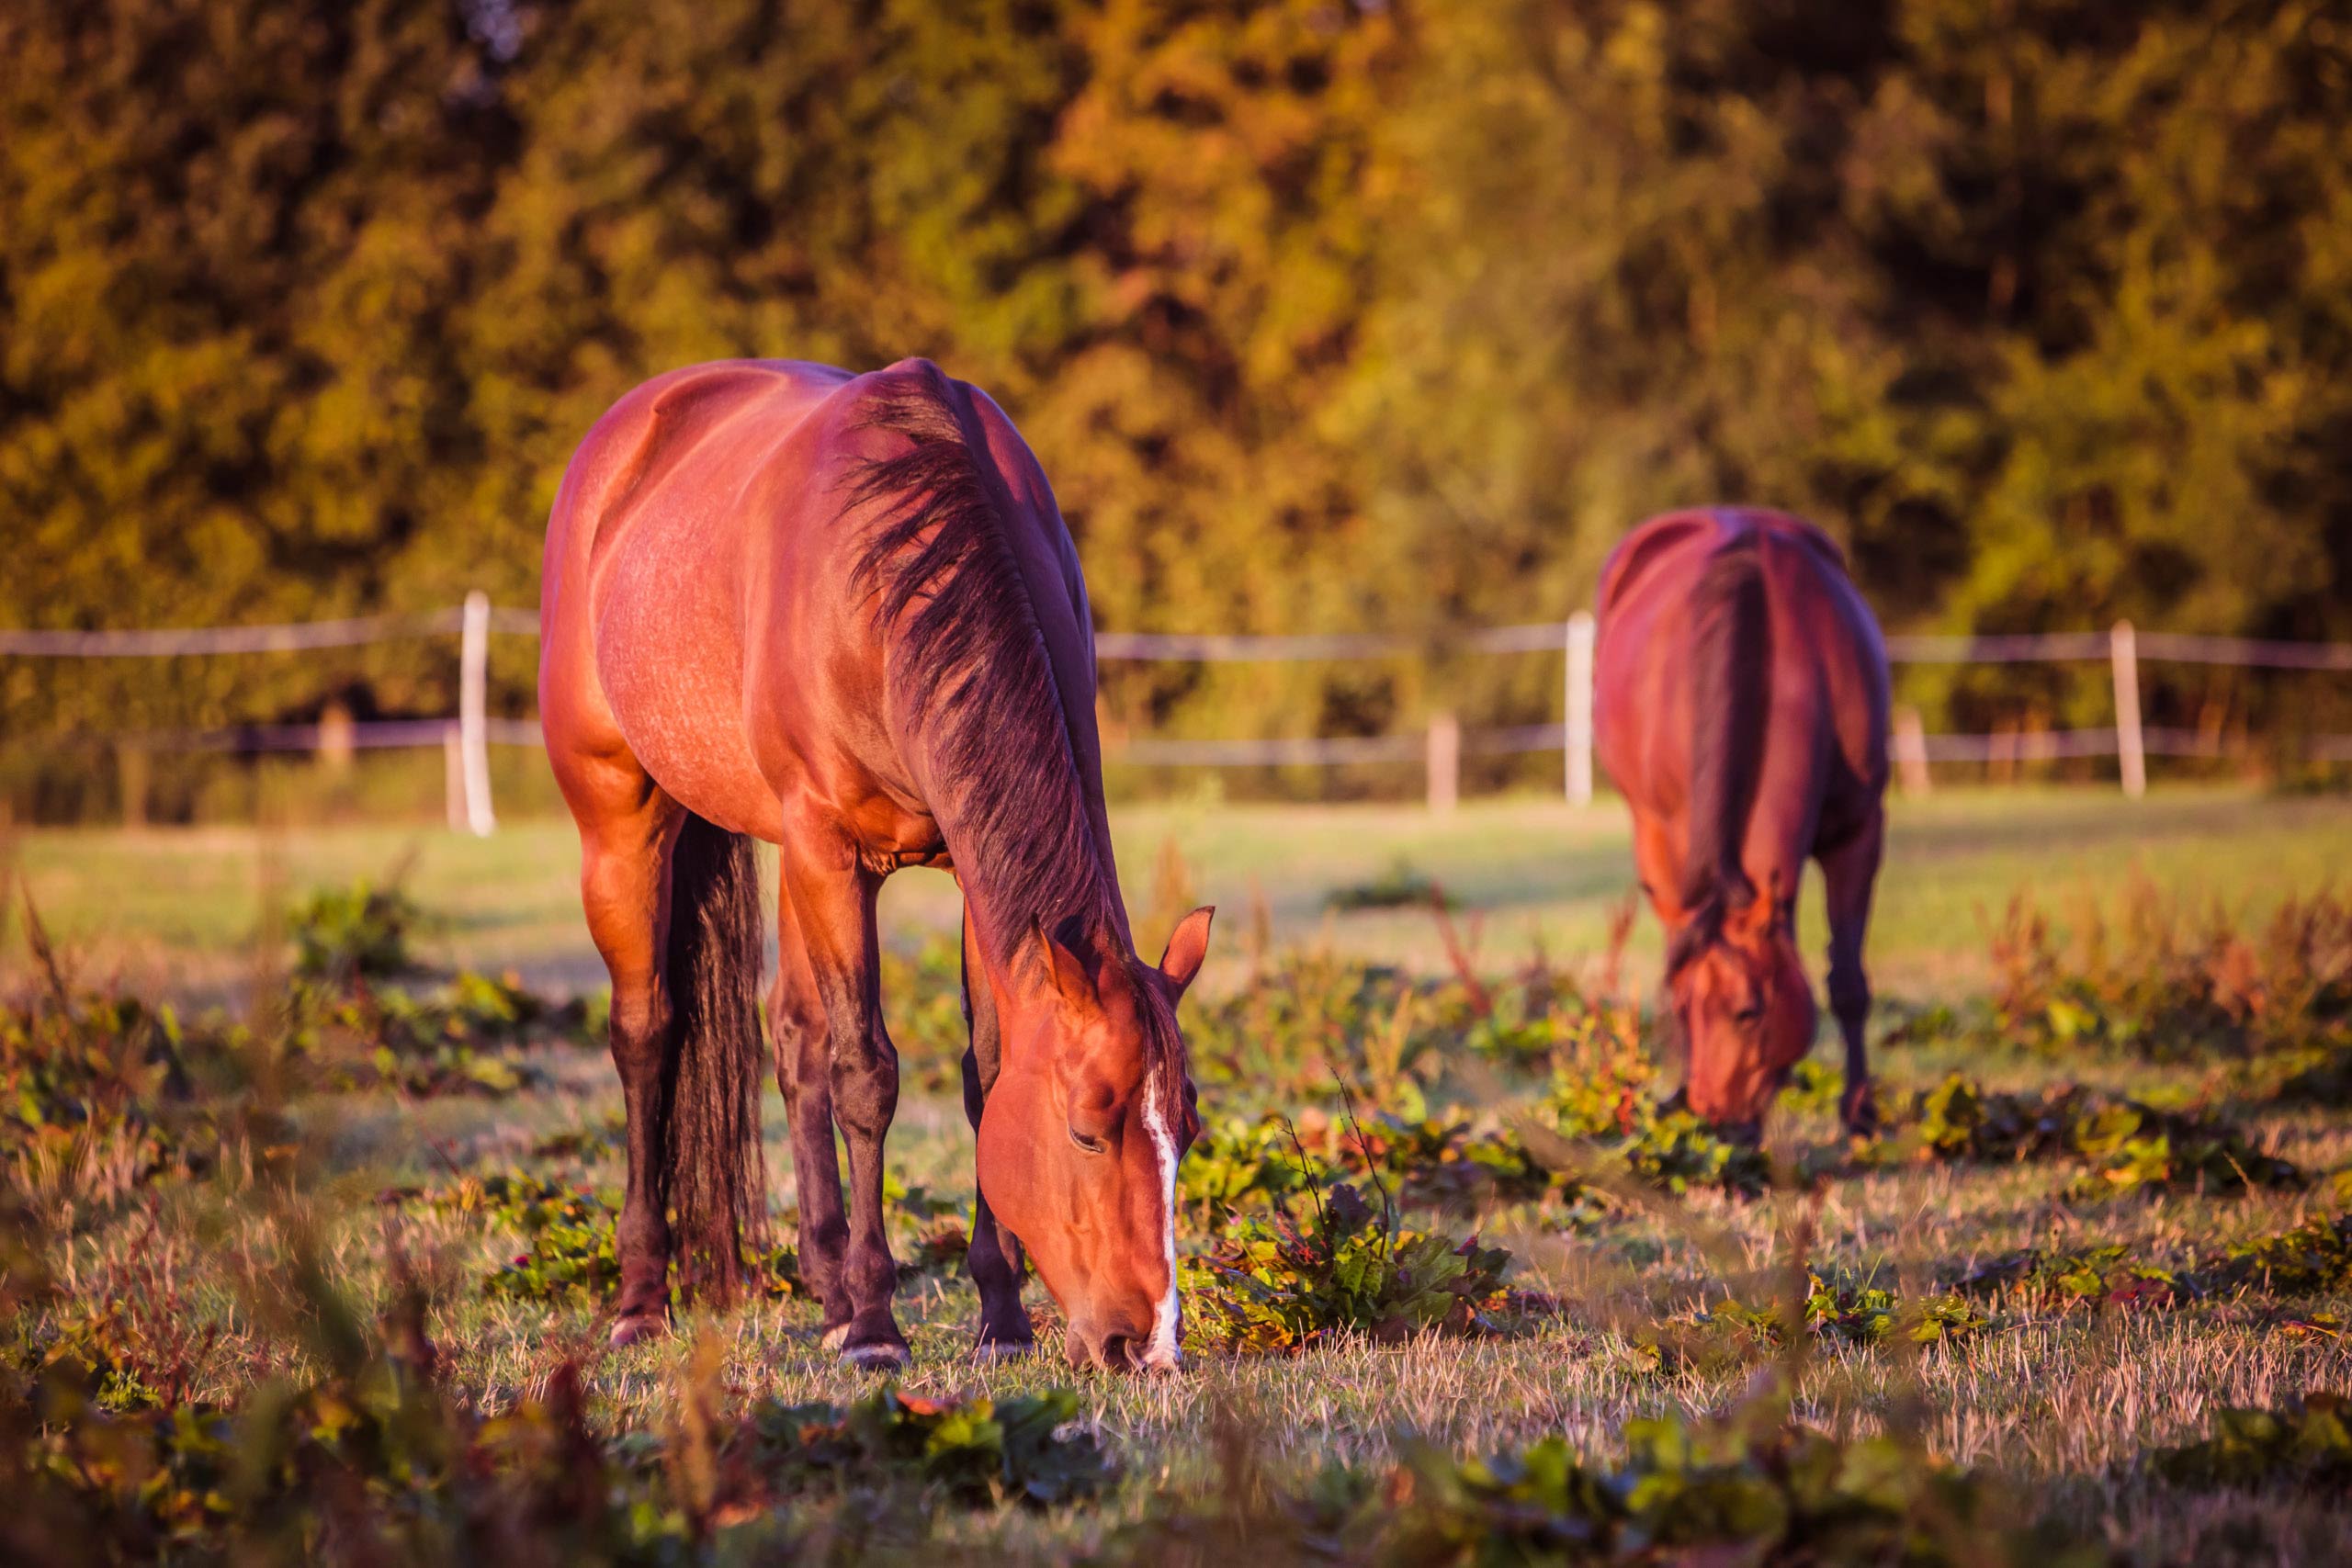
{"x": 1162, "y": 1350}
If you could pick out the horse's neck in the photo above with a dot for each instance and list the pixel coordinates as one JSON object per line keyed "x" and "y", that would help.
{"x": 1026, "y": 852}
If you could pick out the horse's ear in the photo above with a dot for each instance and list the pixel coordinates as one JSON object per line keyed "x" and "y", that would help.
{"x": 1187, "y": 945}
{"x": 1064, "y": 968}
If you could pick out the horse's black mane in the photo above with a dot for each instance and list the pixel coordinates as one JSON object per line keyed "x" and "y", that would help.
{"x": 1731, "y": 659}
{"x": 971, "y": 676}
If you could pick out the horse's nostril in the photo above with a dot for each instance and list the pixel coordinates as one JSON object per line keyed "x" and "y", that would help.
{"x": 1118, "y": 1353}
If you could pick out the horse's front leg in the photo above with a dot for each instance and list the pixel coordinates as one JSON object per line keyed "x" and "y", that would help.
{"x": 832, "y": 902}
{"x": 804, "y": 1072}
{"x": 994, "y": 1257}
{"x": 1850, "y": 872}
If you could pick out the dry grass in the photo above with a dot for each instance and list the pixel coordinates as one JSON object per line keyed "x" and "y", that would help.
{"x": 2061, "y": 1403}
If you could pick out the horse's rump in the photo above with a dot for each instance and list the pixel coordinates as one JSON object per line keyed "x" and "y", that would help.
{"x": 1736, "y": 662}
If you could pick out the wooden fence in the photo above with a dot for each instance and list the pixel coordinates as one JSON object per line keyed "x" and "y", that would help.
{"x": 465, "y": 738}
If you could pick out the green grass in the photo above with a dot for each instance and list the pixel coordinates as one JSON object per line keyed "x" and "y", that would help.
{"x": 185, "y": 906}
{"x": 2062, "y": 1404}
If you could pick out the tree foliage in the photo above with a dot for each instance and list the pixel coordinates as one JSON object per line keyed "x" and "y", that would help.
{"x": 1322, "y": 316}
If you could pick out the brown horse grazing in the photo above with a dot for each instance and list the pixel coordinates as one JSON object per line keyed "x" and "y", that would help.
{"x": 842, "y": 614}
{"x": 1740, "y": 703}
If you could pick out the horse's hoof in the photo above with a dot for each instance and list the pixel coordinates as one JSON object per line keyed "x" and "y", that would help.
{"x": 884, "y": 1357}
{"x": 1860, "y": 1114}
{"x": 635, "y": 1329}
{"x": 1003, "y": 1350}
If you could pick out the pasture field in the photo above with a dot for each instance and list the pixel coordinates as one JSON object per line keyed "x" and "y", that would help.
{"x": 326, "y": 1284}
{"x": 174, "y": 908}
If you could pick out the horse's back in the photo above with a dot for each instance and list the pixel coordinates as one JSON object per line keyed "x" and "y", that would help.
{"x": 643, "y": 578}
{"x": 704, "y": 609}
{"x": 663, "y": 448}
{"x": 1827, "y": 687}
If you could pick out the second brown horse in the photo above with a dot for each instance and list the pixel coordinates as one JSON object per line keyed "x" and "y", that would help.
{"x": 842, "y": 614}
{"x": 1740, "y": 703}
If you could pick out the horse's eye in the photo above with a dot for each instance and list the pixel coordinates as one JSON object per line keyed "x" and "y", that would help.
{"x": 1749, "y": 1013}
{"x": 1088, "y": 1144}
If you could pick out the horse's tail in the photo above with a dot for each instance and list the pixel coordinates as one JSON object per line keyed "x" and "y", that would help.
{"x": 1731, "y": 659}
{"x": 715, "y": 1171}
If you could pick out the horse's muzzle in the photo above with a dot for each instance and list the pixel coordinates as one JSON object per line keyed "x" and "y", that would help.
{"x": 1117, "y": 1352}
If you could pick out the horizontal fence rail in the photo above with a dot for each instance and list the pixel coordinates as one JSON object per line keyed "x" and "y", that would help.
{"x": 466, "y": 738}
{"x": 294, "y": 637}
{"x": 1188, "y": 648}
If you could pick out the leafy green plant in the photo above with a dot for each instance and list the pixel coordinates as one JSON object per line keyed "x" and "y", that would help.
{"x": 1835, "y": 1311}
{"x": 1238, "y": 1165}
{"x": 922, "y": 995}
{"x": 1738, "y": 1490}
{"x": 1309, "y": 1016}
{"x": 2308, "y": 1442}
{"x": 2124, "y": 1146}
{"x": 1398, "y": 887}
{"x": 597, "y": 1140}
{"x": 1276, "y": 1283}
{"x": 1615, "y": 1128}
{"x": 469, "y": 1036}
{"x": 356, "y": 932}
{"x": 2307, "y": 1261}
{"x": 2312, "y": 1258}
{"x": 2095, "y": 1277}
{"x": 2323, "y": 1079}
{"x": 369, "y": 1458}
{"x": 1814, "y": 1087}
{"x": 101, "y": 1094}
{"x": 977, "y": 1452}
{"x": 2173, "y": 986}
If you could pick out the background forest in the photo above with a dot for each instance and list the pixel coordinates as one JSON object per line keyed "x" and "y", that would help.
{"x": 1321, "y": 316}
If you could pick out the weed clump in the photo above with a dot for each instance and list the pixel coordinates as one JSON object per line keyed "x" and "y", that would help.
{"x": 1399, "y": 887}
{"x": 2124, "y": 1146}
{"x": 2311, "y": 1260}
{"x": 99, "y": 1095}
{"x": 569, "y": 1235}
{"x": 2168, "y": 985}
{"x": 1847, "y": 1312}
{"x": 974, "y": 1453}
{"x": 2089, "y": 1277}
{"x": 2308, "y": 1443}
{"x": 359, "y": 933}
{"x": 1603, "y": 1101}
{"x": 1280, "y": 1284}
{"x": 1685, "y": 1489}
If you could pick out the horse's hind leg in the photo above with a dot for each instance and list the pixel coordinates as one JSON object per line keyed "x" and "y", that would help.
{"x": 994, "y": 1258}
{"x": 803, "y": 1073}
{"x": 626, "y": 829}
{"x": 832, "y": 902}
{"x": 1851, "y": 871}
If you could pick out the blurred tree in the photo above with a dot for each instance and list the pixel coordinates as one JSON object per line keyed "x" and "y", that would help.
{"x": 235, "y": 235}
{"x": 2037, "y": 306}
{"x": 1323, "y": 314}
{"x": 1226, "y": 153}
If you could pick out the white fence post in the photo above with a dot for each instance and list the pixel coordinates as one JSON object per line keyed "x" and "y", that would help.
{"x": 473, "y": 726}
{"x": 1577, "y": 712}
{"x": 1445, "y": 762}
{"x": 2130, "y": 753}
{"x": 1910, "y": 751}
{"x": 453, "y": 777}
